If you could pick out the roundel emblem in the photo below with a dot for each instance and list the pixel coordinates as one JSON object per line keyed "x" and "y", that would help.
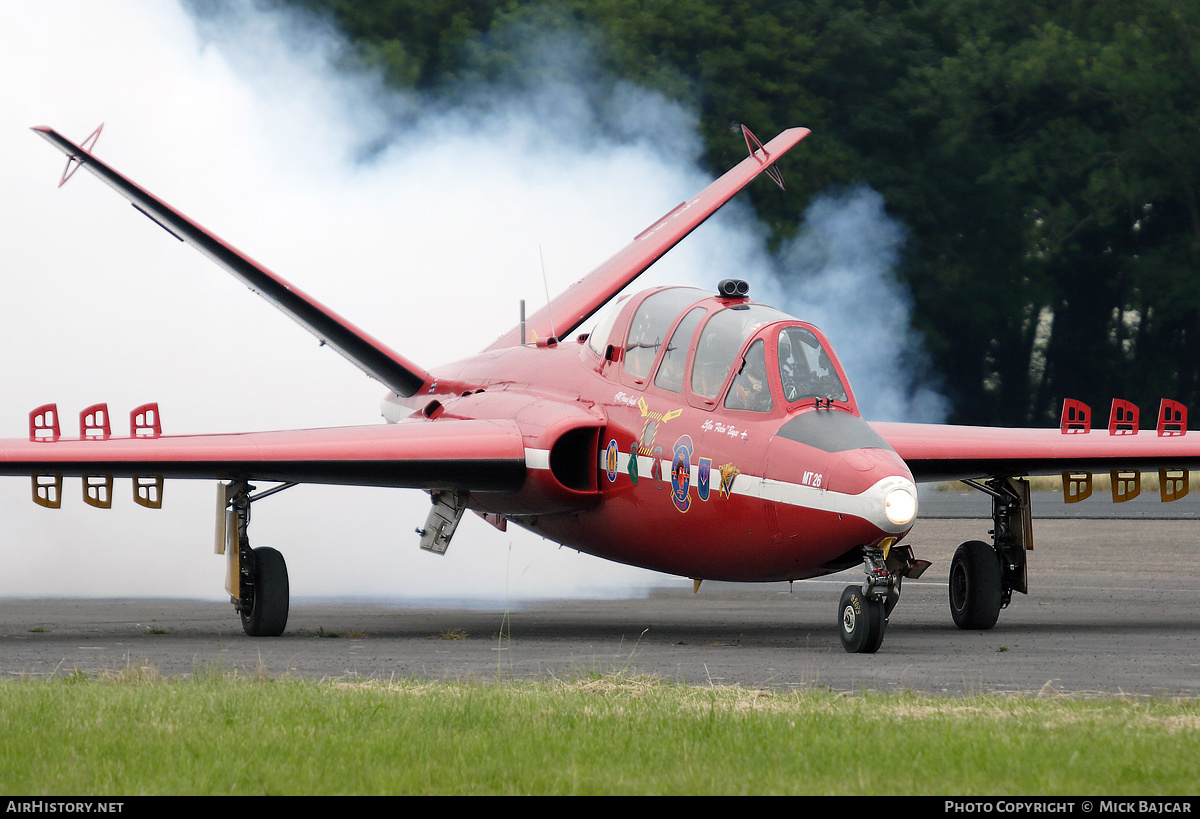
{"x": 681, "y": 473}
{"x": 610, "y": 460}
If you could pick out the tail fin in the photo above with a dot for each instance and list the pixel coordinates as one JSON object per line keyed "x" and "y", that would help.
{"x": 369, "y": 354}
{"x": 589, "y": 294}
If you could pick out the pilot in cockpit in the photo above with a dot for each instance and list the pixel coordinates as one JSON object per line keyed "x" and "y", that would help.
{"x": 805, "y": 369}
{"x": 795, "y": 374}
{"x": 749, "y": 390}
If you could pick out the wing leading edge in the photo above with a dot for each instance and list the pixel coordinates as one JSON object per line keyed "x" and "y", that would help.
{"x": 371, "y": 355}
{"x": 449, "y": 454}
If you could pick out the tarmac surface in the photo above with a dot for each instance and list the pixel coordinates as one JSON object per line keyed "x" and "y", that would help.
{"x": 1112, "y": 610}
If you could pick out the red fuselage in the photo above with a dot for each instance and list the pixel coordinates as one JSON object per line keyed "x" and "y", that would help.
{"x": 675, "y": 478}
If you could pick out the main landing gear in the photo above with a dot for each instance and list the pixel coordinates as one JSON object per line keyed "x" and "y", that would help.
{"x": 257, "y": 579}
{"x": 983, "y": 576}
{"x": 863, "y": 610}
{"x": 976, "y": 591}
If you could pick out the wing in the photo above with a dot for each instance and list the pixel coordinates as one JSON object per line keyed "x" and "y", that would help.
{"x": 460, "y": 454}
{"x": 936, "y": 452}
{"x": 589, "y": 294}
{"x": 372, "y": 356}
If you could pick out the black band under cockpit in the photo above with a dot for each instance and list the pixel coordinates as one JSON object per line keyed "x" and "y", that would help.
{"x": 832, "y": 431}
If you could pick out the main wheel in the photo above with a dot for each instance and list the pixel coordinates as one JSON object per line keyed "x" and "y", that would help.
{"x": 975, "y": 586}
{"x": 268, "y": 610}
{"x": 862, "y": 621}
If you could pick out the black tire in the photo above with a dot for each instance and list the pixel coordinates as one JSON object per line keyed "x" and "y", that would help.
{"x": 975, "y": 586}
{"x": 269, "y": 607}
{"x": 861, "y": 621}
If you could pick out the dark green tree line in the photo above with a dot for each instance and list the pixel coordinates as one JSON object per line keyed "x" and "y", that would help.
{"x": 1043, "y": 157}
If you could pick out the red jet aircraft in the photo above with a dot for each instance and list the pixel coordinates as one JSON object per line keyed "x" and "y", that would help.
{"x": 694, "y": 433}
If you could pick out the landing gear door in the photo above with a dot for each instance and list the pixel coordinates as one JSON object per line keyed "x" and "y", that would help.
{"x": 447, "y": 511}
{"x": 224, "y": 526}
{"x": 1014, "y": 535}
{"x": 1024, "y": 530}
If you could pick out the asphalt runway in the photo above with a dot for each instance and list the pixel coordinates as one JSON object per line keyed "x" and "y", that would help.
{"x": 1112, "y": 610}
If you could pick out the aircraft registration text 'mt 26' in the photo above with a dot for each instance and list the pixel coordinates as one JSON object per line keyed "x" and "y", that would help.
{"x": 690, "y": 432}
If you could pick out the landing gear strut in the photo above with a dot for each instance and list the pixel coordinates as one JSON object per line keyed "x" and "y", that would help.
{"x": 258, "y": 578}
{"x": 983, "y": 576}
{"x": 863, "y": 610}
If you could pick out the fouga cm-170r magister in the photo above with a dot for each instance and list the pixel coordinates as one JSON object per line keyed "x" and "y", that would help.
{"x": 693, "y": 433}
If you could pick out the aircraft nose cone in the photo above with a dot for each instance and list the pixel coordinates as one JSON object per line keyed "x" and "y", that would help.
{"x": 882, "y": 485}
{"x": 860, "y": 474}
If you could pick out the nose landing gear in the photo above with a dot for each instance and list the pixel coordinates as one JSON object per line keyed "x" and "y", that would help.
{"x": 863, "y": 611}
{"x": 862, "y": 621}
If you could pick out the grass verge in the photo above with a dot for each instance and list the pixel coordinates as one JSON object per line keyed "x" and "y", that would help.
{"x": 137, "y": 733}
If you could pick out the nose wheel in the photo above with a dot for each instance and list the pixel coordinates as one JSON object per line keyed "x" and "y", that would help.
{"x": 862, "y": 621}
{"x": 864, "y": 610}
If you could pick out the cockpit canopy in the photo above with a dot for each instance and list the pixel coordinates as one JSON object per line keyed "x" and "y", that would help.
{"x": 718, "y": 351}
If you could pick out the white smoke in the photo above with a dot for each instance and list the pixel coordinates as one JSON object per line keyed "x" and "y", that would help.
{"x": 419, "y": 220}
{"x": 840, "y": 269}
